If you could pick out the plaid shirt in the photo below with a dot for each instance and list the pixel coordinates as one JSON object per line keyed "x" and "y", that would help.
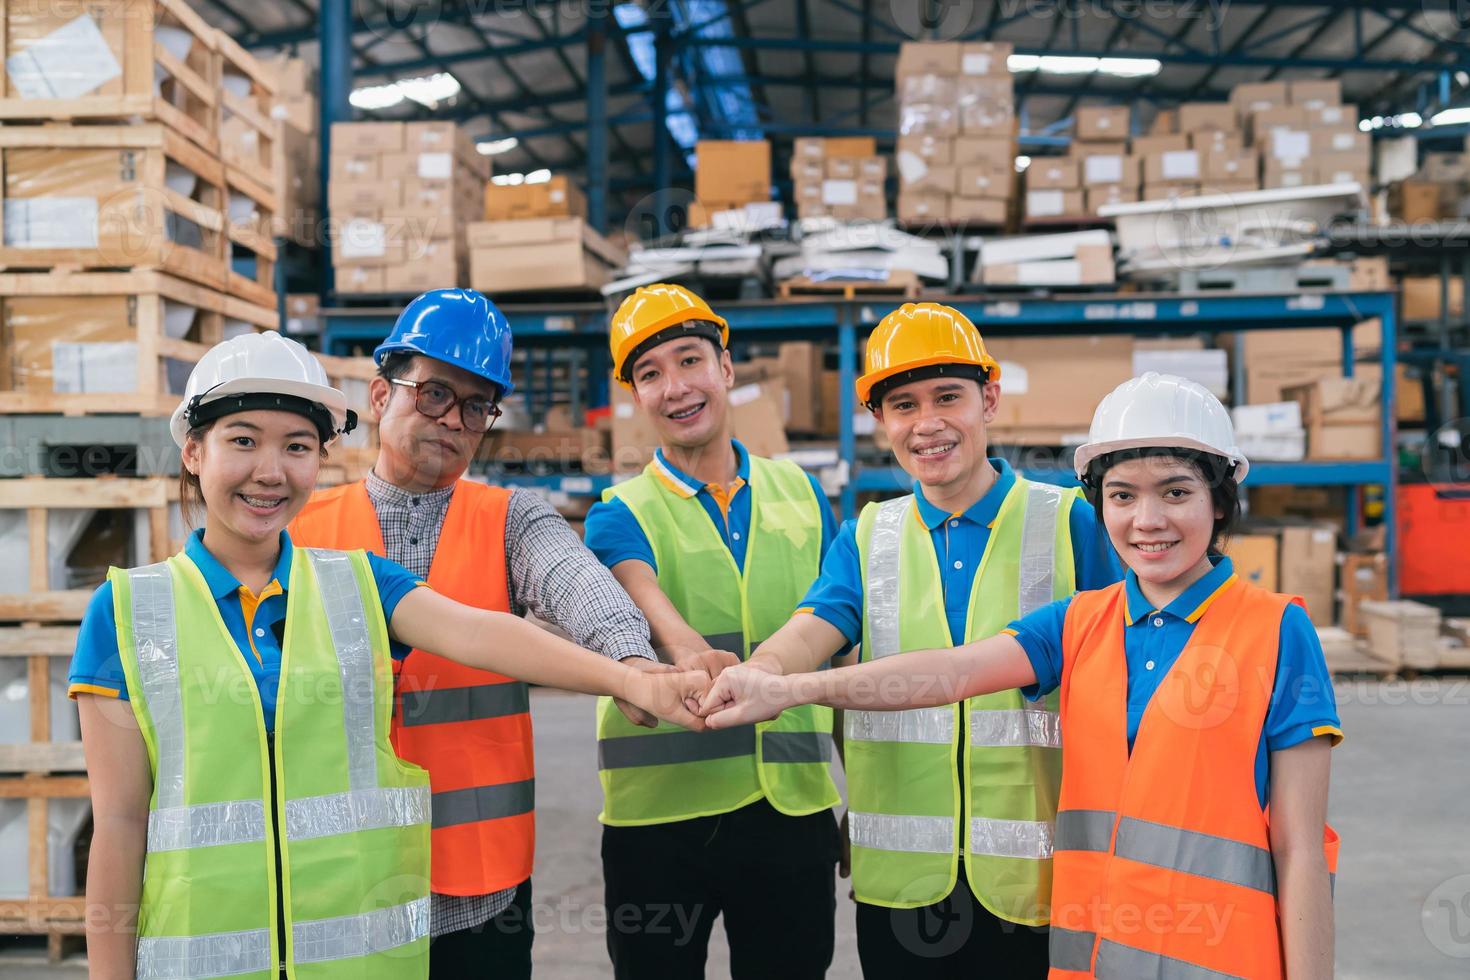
{"x": 550, "y": 573}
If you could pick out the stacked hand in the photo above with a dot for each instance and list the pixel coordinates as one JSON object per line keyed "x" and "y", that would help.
{"x": 687, "y": 693}
{"x": 745, "y": 693}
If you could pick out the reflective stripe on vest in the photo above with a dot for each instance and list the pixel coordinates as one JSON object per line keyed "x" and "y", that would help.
{"x": 183, "y": 838}
{"x": 671, "y": 774}
{"x": 470, "y": 728}
{"x": 1024, "y": 567}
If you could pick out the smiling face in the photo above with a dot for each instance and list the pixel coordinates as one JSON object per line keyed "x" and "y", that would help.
{"x": 937, "y": 427}
{"x": 1160, "y": 515}
{"x": 421, "y": 453}
{"x": 684, "y": 385}
{"x": 256, "y": 470}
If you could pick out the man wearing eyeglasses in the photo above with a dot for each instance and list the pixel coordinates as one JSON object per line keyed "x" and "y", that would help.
{"x": 442, "y": 373}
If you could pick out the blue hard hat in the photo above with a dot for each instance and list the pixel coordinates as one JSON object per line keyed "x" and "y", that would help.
{"x": 456, "y": 326}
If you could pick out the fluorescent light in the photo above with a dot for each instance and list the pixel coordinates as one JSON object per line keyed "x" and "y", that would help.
{"x": 538, "y": 176}
{"x": 492, "y": 148}
{"x": 1409, "y": 120}
{"x": 1022, "y": 162}
{"x": 376, "y": 96}
{"x": 1451, "y": 117}
{"x": 1069, "y": 65}
{"x": 508, "y": 180}
{"x": 426, "y": 90}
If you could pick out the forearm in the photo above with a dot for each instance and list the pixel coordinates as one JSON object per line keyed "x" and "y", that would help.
{"x": 918, "y": 679}
{"x": 666, "y": 626}
{"x": 803, "y": 644}
{"x": 1304, "y": 894}
{"x": 114, "y": 884}
{"x": 510, "y": 645}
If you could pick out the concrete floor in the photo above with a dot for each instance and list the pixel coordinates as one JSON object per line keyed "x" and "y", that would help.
{"x": 1400, "y": 800}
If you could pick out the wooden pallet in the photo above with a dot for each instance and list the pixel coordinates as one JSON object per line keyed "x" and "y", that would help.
{"x": 41, "y": 309}
{"x": 37, "y": 497}
{"x": 122, "y": 211}
{"x": 248, "y": 131}
{"x": 905, "y": 285}
{"x": 250, "y": 214}
{"x": 157, "y": 82}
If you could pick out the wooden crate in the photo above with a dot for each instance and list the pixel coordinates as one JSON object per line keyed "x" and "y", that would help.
{"x": 166, "y": 56}
{"x": 251, "y": 213}
{"x": 112, "y": 197}
{"x": 43, "y": 315}
{"x": 248, "y": 130}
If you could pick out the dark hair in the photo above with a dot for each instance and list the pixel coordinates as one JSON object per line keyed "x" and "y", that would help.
{"x": 396, "y": 364}
{"x": 1217, "y": 473}
{"x": 707, "y": 329}
{"x": 973, "y": 372}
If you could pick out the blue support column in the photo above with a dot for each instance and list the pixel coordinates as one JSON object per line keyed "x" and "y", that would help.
{"x": 663, "y": 161}
{"x": 597, "y": 133}
{"x": 334, "y": 34}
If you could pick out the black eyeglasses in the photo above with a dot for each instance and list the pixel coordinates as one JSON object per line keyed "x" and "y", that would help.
{"x": 435, "y": 400}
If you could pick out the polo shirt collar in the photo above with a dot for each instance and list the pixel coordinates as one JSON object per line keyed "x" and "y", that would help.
{"x": 684, "y": 485}
{"x": 221, "y": 581}
{"x": 1190, "y": 604}
{"x": 982, "y": 511}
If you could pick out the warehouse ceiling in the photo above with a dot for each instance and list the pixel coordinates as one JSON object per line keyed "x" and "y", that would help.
{"x": 785, "y": 68}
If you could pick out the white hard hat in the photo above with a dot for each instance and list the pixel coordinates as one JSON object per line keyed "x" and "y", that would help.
{"x": 1164, "y": 411}
{"x": 261, "y": 371}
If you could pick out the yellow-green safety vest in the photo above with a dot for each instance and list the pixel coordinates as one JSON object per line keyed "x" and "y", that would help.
{"x": 669, "y": 773}
{"x": 326, "y": 800}
{"x": 909, "y": 818}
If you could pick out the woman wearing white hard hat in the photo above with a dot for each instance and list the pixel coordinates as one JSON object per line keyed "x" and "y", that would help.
{"x": 235, "y": 703}
{"x": 1190, "y": 700}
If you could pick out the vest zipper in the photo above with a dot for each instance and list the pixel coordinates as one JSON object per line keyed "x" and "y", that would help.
{"x": 270, "y": 744}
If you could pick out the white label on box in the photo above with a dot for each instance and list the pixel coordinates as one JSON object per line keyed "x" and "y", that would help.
{"x": 1340, "y": 177}
{"x": 51, "y": 222}
{"x": 1044, "y": 203}
{"x": 363, "y": 239}
{"x": 556, "y": 195}
{"x": 1331, "y": 115}
{"x": 911, "y": 167}
{"x": 1344, "y": 141}
{"x": 1104, "y": 169}
{"x": 68, "y": 63}
{"x": 839, "y": 192}
{"x": 1181, "y": 165}
{"x": 90, "y": 369}
{"x": 435, "y": 166}
{"x": 744, "y": 394}
{"x": 976, "y": 63}
{"x": 1290, "y": 144}
{"x": 1013, "y": 378}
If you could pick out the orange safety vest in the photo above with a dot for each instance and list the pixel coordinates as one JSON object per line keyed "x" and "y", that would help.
{"x": 470, "y": 728}
{"x": 1162, "y": 857}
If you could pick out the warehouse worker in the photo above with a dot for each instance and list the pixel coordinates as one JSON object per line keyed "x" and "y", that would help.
{"x": 1197, "y": 718}
{"x": 716, "y": 546}
{"x": 442, "y": 374}
{"x": 949, "y": 823}
{"x": 235, "y": 704}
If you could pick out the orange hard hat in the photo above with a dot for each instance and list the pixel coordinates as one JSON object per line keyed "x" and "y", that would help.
{"x": 917, "y": 337}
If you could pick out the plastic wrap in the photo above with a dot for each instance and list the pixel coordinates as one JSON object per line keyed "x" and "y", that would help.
{"x": 32, "y": 326}
{"x": 54, "y": 53}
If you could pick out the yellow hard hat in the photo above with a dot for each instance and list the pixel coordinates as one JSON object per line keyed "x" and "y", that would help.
{"x": 917, "y": 336}
{"x": 649, "y": 312}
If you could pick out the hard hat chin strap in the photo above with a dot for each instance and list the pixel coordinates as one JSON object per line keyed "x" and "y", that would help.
{"x": 200, "y": 412}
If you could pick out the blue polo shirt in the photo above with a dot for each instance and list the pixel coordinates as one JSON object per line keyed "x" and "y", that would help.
{"x": 1303, "y": 704}
{"x": 613, "y": 534}
{"x": 959, "y": 544}
{"x": 255, "y": 622}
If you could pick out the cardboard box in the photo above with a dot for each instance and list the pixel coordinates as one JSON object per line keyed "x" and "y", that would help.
{"x": 928, "y": 58}
{"x": 1241, "y": 165}
{"x": 367, "y": 137}
{"x": 1267, "y": 121}
{"x": 1166, "y": 123}
{"x": 1103, "y": 123}
{"x": 1210, "y": 187}
{"x": 732, "y": 170}
{"x": 932, "y": 150}
{"x": 298, "y": 111}
{"x": 1255, "y": 557}
{"x": 540, "y": 253}
{"x": 1314, "y": 94}
{"x": 854, "y": 168}
{"x": 1100, "y": 170}
{"x": 978, "y": 210}
{"x": 940, "y": 179}
{"x": 1053, "y": 203}
{"x": 435, "y": 265}
{"x": 1370, "y": 274}
{"x": 1308, "y": 568}
{"x": 347, "y": 198}
{"x": 985, "y": 180}
{"x": 1351, "y": 140}
{"x": 1420, "y": 298}
{"x": 800, "y": 366}
{"x": 996, "y": 151}
{"x": 558, "y": 197}
{"x": 1196, "y": 117}
{"x": 302, "y": 311}
{"x": 359, "y": 279}
{"x": 1445, "y": 168}
{"x": 1358, "y": 441}
{"x": 929, "y": 119}
{"x": 1294, "y": 173}
{"x": 1054, "y": 383}
{"x": 1253, "y": 97}
{"x": 1364, "y": 577}
{"x": 1054, "y": 173}
{"x": 1170, "y": 190}
{"x": 1277, "y": 418}
{"x": 1265, "y": 385}
{"x": 1092, "y": 266}
{"x": 1097, "y": 197}
{"x": 1340, "y": 168}
{"x": 920, "y": 207}
{"x": 1332, "y": 116}
{"x": 1144, "y": 145}
{"x": 987, "y": 104}
{"x": 352, "y": 168}
{"x": 1273, "y": 348}
{"x": 1171, "y": 166}
{"x": 986, "y": 58}
{"x": 1402, "y": 633}
{"x": 1208, "y": 141}
{"x": 808, "y": 169}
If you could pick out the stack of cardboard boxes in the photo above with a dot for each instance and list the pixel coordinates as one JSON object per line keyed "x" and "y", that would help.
{"x": 297, "y": 151}
{"x": 558, "y": 197}
{"x": 1107, "y": 171}
{"x": 728, "y": 175}
{"x": 540, "y": 254}
{"x": 401, "y": 196}
{"x": 839, "y": 178}
{"x": 1305, "y": 134}
{"x": 956, "y": 133}
{"x": 1436, "y": 192}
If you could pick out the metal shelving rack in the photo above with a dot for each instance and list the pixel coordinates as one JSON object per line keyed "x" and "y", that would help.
{"x": 1167, "y": 314}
